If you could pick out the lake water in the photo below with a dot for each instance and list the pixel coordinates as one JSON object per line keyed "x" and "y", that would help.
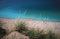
{"x": 34, "y": 14}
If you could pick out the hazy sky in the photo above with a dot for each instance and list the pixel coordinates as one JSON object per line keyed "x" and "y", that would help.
{"x": 37, "y": 9}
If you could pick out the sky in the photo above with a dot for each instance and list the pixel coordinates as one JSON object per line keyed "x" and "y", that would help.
{"x": 32, "y": 9}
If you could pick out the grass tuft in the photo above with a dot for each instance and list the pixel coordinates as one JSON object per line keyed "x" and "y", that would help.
{"x": 21, "y": 27}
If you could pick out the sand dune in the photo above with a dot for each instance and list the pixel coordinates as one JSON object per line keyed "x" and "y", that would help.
{"x": 15, "y": 35}
{"x": 9, "y": 24}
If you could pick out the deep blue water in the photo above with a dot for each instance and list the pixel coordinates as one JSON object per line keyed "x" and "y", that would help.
{"x": 31, "y": 13}
{"x": 32, "y": 9}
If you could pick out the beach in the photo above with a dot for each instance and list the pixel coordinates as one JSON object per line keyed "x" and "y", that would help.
{"x": 9, "y": 24}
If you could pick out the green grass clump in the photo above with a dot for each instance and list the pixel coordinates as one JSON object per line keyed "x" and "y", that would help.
{"x": 34, "y": 34}
{"x": 50, "y": 35}
{"x": 21, "y": 27}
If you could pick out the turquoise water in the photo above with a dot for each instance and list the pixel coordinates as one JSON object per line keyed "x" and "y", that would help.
{"x": 32, "y": 9}
{"x": 34, "y": 14}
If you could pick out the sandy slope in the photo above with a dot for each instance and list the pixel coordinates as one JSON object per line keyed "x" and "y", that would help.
{"x": 15, "y": 35}
{"x": 9, "y": 24}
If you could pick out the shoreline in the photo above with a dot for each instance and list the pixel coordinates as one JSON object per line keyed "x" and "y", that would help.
{"x": 32, "y": 19}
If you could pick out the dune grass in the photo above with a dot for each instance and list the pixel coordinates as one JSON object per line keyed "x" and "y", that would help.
{"x": 20, "y": 27}
{"x": 33, "y": 34}
{"x": 39, "y": 34}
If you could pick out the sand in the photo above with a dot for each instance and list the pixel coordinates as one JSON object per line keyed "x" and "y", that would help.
{"x": 9, "y": 24}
